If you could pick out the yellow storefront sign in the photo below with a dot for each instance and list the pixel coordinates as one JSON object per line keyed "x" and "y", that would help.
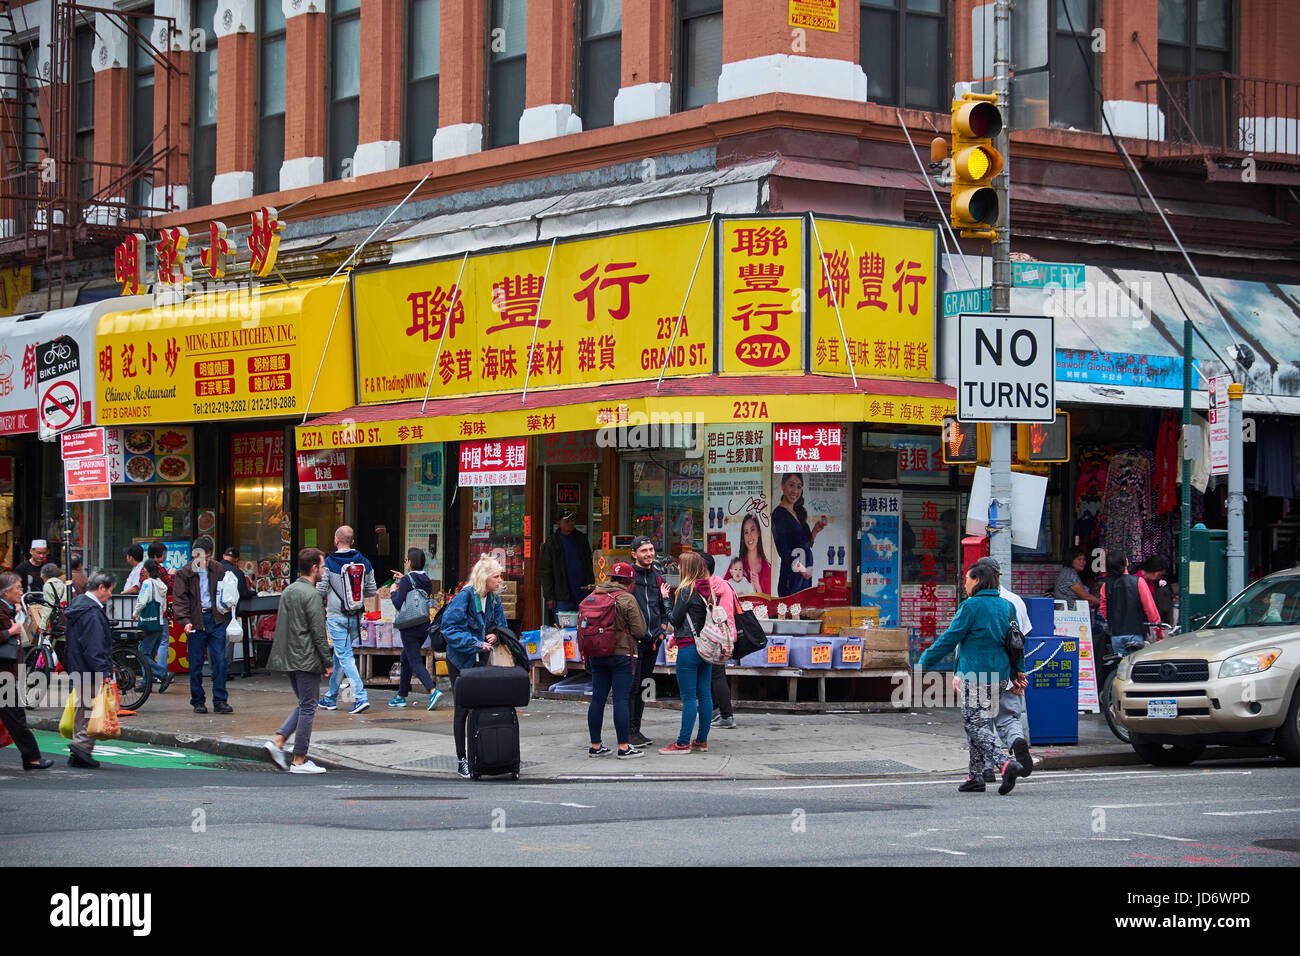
{"x": 607, "y": 313}
{"x": 884, "y": 280}
{"x": 661, "y": 411}
{"x": 239, "y": 354}
{"x": 761, "y": 275}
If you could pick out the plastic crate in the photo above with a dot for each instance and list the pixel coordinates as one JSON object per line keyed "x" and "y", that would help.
{"x": 532, "y": 641}
{"x": 571, "y": 652}
{"x": 837, "y": 654}
{"x": 812, "y": 653}
{"x": 771, "y": 656}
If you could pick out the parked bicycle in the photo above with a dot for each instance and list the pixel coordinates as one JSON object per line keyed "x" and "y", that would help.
{"x": 1108, "y": 664}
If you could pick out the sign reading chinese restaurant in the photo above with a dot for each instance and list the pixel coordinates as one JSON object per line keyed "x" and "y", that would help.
{"x": 493, "y": 462}
{"x": 807, "y": 448}
{"x": 322, "y": 471}
{"x": 246, "y": 353}
{"x": 174, "y": 268}
{"x": 606, "y": 314}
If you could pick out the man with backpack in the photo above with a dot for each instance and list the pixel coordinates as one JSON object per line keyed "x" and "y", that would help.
{"x": 651, "y": 594}
{"x": 347, "y": 581}
{"x": 609, "y": 623}
{"x": 1011, "y": 697}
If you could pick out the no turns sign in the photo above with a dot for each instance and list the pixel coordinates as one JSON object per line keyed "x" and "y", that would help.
{"x": 1006, "y": 368}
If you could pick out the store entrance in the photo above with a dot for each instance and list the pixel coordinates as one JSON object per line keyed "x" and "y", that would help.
{"x": 379, "y": 495}
{"x": 570, "y": 490}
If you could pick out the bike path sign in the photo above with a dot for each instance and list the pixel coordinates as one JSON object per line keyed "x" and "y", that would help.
{"x": 58, "y": 386}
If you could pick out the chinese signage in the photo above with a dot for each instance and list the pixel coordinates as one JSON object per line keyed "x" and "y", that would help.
{"x": 569, "y": 448}
{"x": 1120, "y": 368}
{"x": 810, "y": 530}
{"x": 172, "y": 254}
{"x": 493, "y": 462}
{"x": 817, "y": 14}
{"x": 322, "y": 471}
{"x": 1218, "y": 416}
{"x": 881, "y": 528}
{"x": 883, "y": 279}
{"x": 87, "y": 479}
{"x": 424, "y": 505}
{"x": 608, "y": 312}
{"x": 163, "y": 456}
{"x": 257, "y": 455}
{"x": 58, "y": 386}
{"x": 738, "y": 521}
{"x": 807, "y": 448}
{"x": 761, "y": 273}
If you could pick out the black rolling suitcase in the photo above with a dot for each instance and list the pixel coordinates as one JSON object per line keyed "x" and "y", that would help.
{"x": 492, "y": 738}
{"x": 493, "y": 687}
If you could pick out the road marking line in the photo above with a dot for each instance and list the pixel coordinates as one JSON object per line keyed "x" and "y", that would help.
{"x": 936, "y": 849}
{"x": 1161, "y": 836}
{"x": 550, "y": 803}
{"x": 1062, "y": 778}
{"x": 1246, "y": 813}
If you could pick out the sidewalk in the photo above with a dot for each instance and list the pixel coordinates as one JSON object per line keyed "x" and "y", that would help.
{"x": 554, "y": 738}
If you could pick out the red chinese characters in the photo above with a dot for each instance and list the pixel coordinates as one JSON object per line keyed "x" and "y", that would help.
{"x": 264, "y": 241}
{"x": 257, "y": 455}
{"x": 758, "y": 294}
{"x": 430, "y": 309}
{"x": 128, "y": 264}
{"x": 173, "y": 266}
{"x": 518, "y": 301}
{"x": 216, "y": 258}
{"x": 615, "y": 274}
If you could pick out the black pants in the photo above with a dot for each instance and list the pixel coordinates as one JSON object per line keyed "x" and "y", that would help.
{"x": 15, "y": 721}
{"x": 721, "y": 690}
{"x": 645, "y": 670}
{"x": 460, "y": 715}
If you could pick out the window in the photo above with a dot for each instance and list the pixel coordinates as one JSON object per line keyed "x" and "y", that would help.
{"x": 345, "y": 87}
{"x": 699, "y": 62}
{"x": 424, "y": 35}
{"x": 1051, "y": 85}
{"x": 83, "y": 112}
{"x": 1195, "y": 38}
{"x": 600, "y": 61}
{"x": 507, "y": 71}
{"x": 270, "y": 124}
{"x": 142, "y": 138}
{"x": 904, "y": 52}
{"x": 203, "y": 67}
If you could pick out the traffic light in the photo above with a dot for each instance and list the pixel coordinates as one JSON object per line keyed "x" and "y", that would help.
{"x": 976, "y": 121}
{"x": 965, "y": 443}
{"x": 1043, "y": 443}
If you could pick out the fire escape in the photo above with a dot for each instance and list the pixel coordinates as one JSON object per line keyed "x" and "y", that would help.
{"x": 62, "y": 206}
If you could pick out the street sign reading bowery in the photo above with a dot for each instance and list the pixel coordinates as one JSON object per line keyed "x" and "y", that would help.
{"x": 1006, "y": 368}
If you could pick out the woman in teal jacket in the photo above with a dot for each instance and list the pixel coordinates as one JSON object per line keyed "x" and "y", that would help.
{"x": 978, "y": 635}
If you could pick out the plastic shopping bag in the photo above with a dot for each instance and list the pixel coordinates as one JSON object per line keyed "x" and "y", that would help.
{"x": 67, "y": 722}
{"x": 551, "y": 642}
{"x": 104, "y": 724}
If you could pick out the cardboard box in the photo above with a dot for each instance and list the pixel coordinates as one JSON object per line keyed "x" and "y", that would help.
{"x": 892, "y": 660}
{"x": 879, "y": 638}
{"x": 835, "y": 619}
{"x": 372, "y": 604}
{"x": 509, "y": 589}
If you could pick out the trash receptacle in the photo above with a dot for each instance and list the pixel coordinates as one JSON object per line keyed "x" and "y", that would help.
{"x": 1052, "y": 697}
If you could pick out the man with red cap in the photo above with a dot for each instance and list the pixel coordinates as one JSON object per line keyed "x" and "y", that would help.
{"x": 611, "y": 606}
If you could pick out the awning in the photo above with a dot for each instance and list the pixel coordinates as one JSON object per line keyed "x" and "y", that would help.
{"x": 704, "y": 399}
{"x": 236, "y": 354}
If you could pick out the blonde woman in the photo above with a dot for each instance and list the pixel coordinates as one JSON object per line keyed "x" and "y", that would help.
{"x": 469, "y": 625}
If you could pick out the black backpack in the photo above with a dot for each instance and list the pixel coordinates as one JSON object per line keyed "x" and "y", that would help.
{"x": 1014, "y": 642}
{"x": 437, "y": 640}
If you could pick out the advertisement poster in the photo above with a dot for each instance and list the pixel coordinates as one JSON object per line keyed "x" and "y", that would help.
{"x": 738, "y": 513}
{"x": 807, "y": 448}
{"x": 480, "y": 520}
{"x": 321, "y": 472}
{"x": 810, "y": 530}
{"x": 761, "y": 270}
{"x": 493, "y": 462}
{"x": 1078, "y": 624}
{"x": 881, "y": 526}
{"x": 424, "y": 505}
{"x": 151, "y": 456}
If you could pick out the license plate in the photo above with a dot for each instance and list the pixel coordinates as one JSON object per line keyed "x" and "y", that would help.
{"x": 1162, "y": 707}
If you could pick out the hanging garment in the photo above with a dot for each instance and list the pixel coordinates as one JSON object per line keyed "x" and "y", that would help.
{"x": 1127, "y": 508}
{"x": 1166, "y": 475}
{"x": 1275, "y": 461}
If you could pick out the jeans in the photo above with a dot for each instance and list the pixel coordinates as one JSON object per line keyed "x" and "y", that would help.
{"x": 646, "y": 652}
{"x": 341, "y": 631}
{"x": 212, "y": 642}
{"x": 413, "y": 664}
{"x": 1123, "y": 643}
{"x": 149, "y": 648}
{"x": 299, "y": 722}
{"x": 616, "y": 672}
{"x": 694, "y": 680}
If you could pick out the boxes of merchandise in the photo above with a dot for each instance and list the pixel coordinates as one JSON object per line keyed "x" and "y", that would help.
{"x": 835, "y": 619}
{"x": 846, "y": 654}
{"x": 776, "y": 654}
{"x": 881, "y": 646}
{"x": 811, "y": 653}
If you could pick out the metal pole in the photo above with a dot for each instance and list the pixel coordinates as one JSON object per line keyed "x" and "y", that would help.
{"x": 1236, "y": 510}
{"x": 537, "y": 324}
{"x": 672, "y": 343}
{"x": 446, "y": 322}
{"x": 1000, "y": 434}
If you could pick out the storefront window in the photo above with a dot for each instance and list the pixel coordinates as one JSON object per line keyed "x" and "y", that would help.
{"x": 666, "y": 501}
{"x": 262, "y": 531}
{"x": 497, "y": 527}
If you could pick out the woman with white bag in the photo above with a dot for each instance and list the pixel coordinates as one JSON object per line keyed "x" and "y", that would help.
{"x": 691, "y": 612}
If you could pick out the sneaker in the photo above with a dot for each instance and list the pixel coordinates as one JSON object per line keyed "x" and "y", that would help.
{"x": 700, "y": 746}
{"x": 200, "y": 709}
{"x": 324, "y": 704}
{"x": 434, "y": 698}
{"x": 598, "y": 751}
{"x": 725, "y": 723}
{"x": 397, "y": 702}
{"x": 306, "y": 767}
{"x": 221, "y": 708}
{"x": 638, "y": 739}
{"x": 1010, "y": 770}
{"x": 717, "y": 718}
{"x": 675, "y": 748}
{"x": 990, "y": 775}
{"x": 630, "y": 754}
{"x": 1020, "y": 750}
{"x": 971, "y": 786}
{"x": 462, "y": 768}
{"x": 277, "y": 755}
{"x": 359, "y": 707}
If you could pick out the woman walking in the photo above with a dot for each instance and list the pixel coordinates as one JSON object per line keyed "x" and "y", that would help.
{"x": 694, "y": 674}
{"x": 978, "y": 635}
{"x": 793, "y": 538}
{"x": 15, "y": 718}
{"x": 151, "y": 615}
{"x": 469, "y": 625}
{"x": 413, "y": 638}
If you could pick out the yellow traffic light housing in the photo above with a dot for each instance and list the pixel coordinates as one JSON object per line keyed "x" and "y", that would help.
{"x": 1043, "y": 443}
{"x": 965, "y": 443}
{"x": 976, "y": 122}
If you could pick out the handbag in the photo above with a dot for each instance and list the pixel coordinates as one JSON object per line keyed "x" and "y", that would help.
{"x": 750, "y": 636}
{"x": 151, "y": 617}
{"x": 67, "y": 723}
{"x": 715, "y": 641}
{"x": 415, "y": 610}
{"x": 104, "y": 724}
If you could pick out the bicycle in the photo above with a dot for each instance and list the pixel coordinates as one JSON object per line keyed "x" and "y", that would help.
{"x": 1110, "y": 662}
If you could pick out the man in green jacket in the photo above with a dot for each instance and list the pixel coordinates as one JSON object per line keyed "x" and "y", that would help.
{"x": 302, "y": 649}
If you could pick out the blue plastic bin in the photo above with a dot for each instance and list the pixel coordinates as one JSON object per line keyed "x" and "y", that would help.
{"x": 1052, "y": 697}
{"x": 1042, "y": 616}
{"x": 801, "y": 652}
{"x": 837, "y": 654}
{"x": 759, "y": 657}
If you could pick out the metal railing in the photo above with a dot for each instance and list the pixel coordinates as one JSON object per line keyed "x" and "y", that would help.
{"x": 1222, "y": 114}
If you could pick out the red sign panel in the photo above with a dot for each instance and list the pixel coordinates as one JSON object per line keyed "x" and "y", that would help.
{"x": 807, "y": 448}
{"x": 322, "y": 471}
{"x": 87, "y": 444}
{"x": 86, "y": 479}
{"x": 493, "y": 462}
{"x": 257, "y": 455}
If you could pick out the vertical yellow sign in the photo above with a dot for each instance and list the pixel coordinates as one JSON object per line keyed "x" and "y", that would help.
{"x": 762, "y": 283}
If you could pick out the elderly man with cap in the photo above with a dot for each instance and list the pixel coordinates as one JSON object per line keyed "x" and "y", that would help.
{"x": 614, "y": 670}
{"x": 567, "y": 574}
{"x": 1011, "y": 699}
{"x": 29, "y": 572}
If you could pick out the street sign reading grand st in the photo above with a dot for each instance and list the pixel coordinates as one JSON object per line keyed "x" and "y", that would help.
{"x": 1006, "y": 368}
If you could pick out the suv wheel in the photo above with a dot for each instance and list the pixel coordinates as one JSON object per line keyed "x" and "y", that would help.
{"x": 1169, "y": 755}
{"x": 1288, "y": 735}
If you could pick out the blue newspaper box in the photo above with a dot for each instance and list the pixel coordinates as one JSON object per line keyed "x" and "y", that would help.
{"x": 1042, "y": 616}
{"x": 1052, "y": 697}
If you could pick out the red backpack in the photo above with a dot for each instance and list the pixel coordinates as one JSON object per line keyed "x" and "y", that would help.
{"x": 597, "y": 635}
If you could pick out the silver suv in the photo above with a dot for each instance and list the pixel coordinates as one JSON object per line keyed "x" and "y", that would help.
{"x": 1233, "y": 682}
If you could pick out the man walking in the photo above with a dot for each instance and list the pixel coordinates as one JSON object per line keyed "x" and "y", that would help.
{"x": 348, "y": 579}
{"x": 566, "y": 566}
{"x": 1011, "y": 695}
{"x": 89, "y": 659}
{"x": 134, "y": 558}
{"x": 195, "y": 608}
{"x": 302, "y": 650}
{"x": 77, "y": 577}
{"x": 29, "y": 572}
{"x": 651, "y": 593}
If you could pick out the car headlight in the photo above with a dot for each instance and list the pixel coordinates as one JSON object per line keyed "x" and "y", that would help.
{"x": 1253, "y": 663}
{"x": 1124, "y": 668}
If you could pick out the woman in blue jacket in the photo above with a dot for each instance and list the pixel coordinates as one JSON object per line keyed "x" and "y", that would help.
{"x": 469, "y": 625}
{"x": 978, "y": 635}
